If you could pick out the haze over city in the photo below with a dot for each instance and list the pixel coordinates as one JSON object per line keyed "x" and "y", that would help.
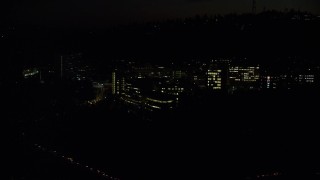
{"x": 84, "y": 13}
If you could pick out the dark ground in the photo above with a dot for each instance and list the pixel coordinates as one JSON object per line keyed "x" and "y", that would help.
{"x": 220, "y": 137}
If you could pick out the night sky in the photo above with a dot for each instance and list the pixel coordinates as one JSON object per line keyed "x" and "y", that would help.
{"x": 112, "y": 12}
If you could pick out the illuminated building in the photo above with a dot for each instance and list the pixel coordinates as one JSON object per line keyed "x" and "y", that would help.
{"x": 114, "y": 83}
{"x": 73, "y": 67}
{"x": 149, "y": 71}
{"x": 199, "y": 80}
{"x": 148, "y": 87}
{"x": 177, "y": 74}
{"x": 269, "y": 82}
{"x": 132, "y": 94}
{"x": 195, "y": 78}
{"x": 301, "y": 80}
{"x": 243, "y": 78}
{"x": 244, "y": 74}
{"x": 101, "y": 89}
{"x": 214, "y": 79}
{"x": 30, "y": 73}
{"x": 159, "y": 103}
{"x": 118, "y": 83}
{"x": 140, "y": 97}
{"x": 306, "y": 79}
{"x": 173, "y": 90}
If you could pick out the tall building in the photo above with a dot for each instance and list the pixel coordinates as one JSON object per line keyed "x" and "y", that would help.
{"x": 214, "y": 79}
{"x": 114, "y": 82}
{"x": 118, "y": 83}
{"x": 269, "y": 82}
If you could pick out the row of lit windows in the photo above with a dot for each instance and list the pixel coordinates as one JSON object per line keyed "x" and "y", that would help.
{"x": 218, "y": 70}
{"x": 30, "y": 73}
{"x": 306, "y": 78}
{"x": 213, "y": 74}
{"x": 250, "y": 80}
{"x": 159, "y": 101}
{"x": 212, "y": 85}
{"x": 311, "y": 76}
{"x": 212, "y": 79}
{"x": 155, "y": 107}
{"x": 173, "y": 89}
{"x": 216, "y": 82}
{"x": 243, "y": 68}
